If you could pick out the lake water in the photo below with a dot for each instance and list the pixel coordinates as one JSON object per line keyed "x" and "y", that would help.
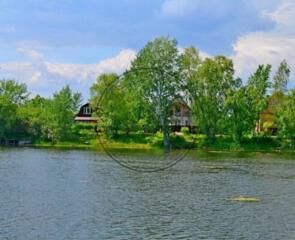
{"x": 54, "y": 194}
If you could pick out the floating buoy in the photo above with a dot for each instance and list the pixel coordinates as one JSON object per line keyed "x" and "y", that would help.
{"x": 244, "y": 199}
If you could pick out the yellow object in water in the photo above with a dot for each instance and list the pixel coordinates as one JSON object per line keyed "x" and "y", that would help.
{"x": 244, "y": 199}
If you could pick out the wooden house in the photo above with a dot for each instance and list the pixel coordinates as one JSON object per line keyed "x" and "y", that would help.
{"x": 85, "y": 114}
{"x": 267, "y": 122}
{"x": 180, "y": 117}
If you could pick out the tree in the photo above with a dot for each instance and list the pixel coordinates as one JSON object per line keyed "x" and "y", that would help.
{"x": 15, "y": 92}
{"x": 112, "y": 104}
{"x": 190, "y": 62}
{"x": 60, "y": 112}
{"x": 239, "y": 115}
{"x": 12, "y": 95}
{"x": 286, "y": 116}
{"x": 256, "y": 91}
{"x": 7, "y": 117}
{"x": 159, "y": 84}
{"x": 35, "y": 118}
{"x": 281, "y": 78}
{"x": 209, "y": 87}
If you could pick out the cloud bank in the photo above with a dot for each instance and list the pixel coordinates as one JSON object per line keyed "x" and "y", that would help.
{"x": 268, "y": 47}
{"x": 38, "y": 73}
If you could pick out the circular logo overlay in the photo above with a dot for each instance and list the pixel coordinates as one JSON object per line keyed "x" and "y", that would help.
{"x": 145, "y": 122}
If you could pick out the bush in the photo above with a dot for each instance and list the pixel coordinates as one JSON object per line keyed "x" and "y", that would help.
{"x": 178, "y": 142}
{"x": 157, "y": 139}
{"x": 185, "y": 130}
{"x": 84, "y": 132}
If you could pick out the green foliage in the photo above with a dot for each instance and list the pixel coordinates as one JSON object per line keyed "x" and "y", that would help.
{"x": 12, "y": 95}
{"x": 281, "y": 77}
{"x": 257, "y": 87}
{"x": 15, "y": 93}
{"x": 209, "y": 85}
{"x": 156, "y": 139}
{"x": 60, "y": 113}
{"x": 51, "y": 119}
{"x": 132, "y": 138}
{"x": 32, "y": 114}
{"x": 238, "y": 118}
{"x": 286, "y": 117}
{"x": 136, "y": 107}
{"x": 185, "y": 130}
{"x": 159, "y": 85}
{"x": 84, "y": 132}
{"x": 113, "y": 105}
{"x": 244, "y": 104}
{"x": 176, "y": 141}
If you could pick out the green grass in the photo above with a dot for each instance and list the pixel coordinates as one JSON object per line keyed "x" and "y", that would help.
{"x": 67, "y": 145}
{"x": 179, "y": 141}
{"x": 251, "y": 144}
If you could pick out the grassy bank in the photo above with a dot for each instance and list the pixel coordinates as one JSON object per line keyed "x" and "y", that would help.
{"x": 179, "y": 141}
{"x": 94, "y": 144}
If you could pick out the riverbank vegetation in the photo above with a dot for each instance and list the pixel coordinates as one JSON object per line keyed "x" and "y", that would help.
{"x": 135, "y": 109}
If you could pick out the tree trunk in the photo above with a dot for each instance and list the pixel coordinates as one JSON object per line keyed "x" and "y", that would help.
{"x": 166, "y": 138}
{"x": 211, "y": 135}
{"x": 165, "y": 129}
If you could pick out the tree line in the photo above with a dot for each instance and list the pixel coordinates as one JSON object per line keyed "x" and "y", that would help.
{"x": 220, "y": 102}
{"x": 141, "y": 99}
{"x": 37, "y": 118}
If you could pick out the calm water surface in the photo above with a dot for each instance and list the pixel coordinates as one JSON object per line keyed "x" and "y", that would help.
{"x": 50, "y": 194}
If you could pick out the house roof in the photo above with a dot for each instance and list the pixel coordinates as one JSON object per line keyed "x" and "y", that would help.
{"x": 85, "y": 118}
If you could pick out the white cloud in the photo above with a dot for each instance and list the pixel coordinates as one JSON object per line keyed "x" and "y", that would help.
{"x": 86, "y": 72}
{"x": 283, "y": 14}
{"x": 268, "y": 47}
{"x": 204, "y": 55}
{"x": 34, "y": 55}
{"x": 38, "y": 73}
{"x": 36, "y": 77}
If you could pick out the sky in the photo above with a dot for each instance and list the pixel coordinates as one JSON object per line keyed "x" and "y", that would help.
{"x": 50, "y": 43}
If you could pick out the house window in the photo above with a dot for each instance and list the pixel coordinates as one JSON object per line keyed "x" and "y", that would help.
{"x": 177, "y": 112}
{"x": 87, "y": 111}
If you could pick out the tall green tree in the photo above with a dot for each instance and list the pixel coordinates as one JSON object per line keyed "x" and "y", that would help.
{"x": 276, "y": 99}
{"x": 244, "y": 104}
{"x": 256, "y": 90}
{"x": 238, "y": 113}
{"x": 209, "y": 88}
{"x": 34, "y": 115}
{"x": 112, "y": 104}
{"x": 281, "y": 78}
{"x": 15, "y": 92}
{"x": 12, "y": 95}
{"x": 190, "y": 63}
{"x": 60, "y": 112}
{"x": 286, "y": 116}
{"x": 159, "y": 85}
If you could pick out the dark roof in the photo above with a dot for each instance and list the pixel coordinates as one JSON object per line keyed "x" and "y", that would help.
{"x": 81, "y": 112}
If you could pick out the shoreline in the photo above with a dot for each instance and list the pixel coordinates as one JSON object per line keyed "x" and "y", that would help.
{"x": 147, "y": 147}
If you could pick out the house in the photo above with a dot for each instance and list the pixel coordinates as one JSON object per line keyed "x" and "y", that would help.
{"x": 180, "y": 117}
{"x": 85, "y": 114}
{"x": 268, "y": 115}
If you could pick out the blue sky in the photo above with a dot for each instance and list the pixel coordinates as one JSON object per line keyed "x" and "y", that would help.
{"x": 47, "y": 44}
